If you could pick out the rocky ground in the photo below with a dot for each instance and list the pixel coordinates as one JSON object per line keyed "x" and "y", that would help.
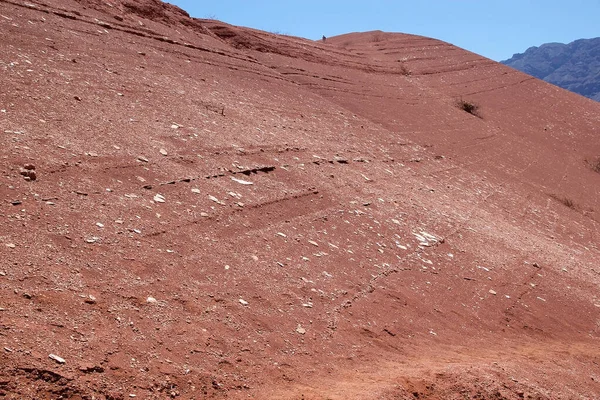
{"x": 194, "y": 210}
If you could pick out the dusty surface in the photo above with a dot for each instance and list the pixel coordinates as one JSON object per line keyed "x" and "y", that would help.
{"x": 219, "y": 212}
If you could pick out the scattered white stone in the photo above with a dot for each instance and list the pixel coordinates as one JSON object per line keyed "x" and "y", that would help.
{"x": 241, "y": 181}
{"x": 174, "y": 126}
{"x": 163, "y": 152}
{"x": 492, "y": 292}
{"x": 213, "y": 198}
{"x": 313, "y": 243}
{"x": 151, "y": 300}
{"x": 93, "y": 239}
{"x": 281, "y": 234}
{"x": 203, "y": 214}
{"x": 539, "y": 298}
{"x": 159, "y": 198}
{"x": 243, "y": 302}
{"x": 56, "y": 358}
{"x": 227, "y": 267}
{"x": 90, "y": 299}
{"x": 143, "y": 159}
{"x": 307, "y": 305}
{"x": 2, "y": 273}
{"x": 300, "y": 329}
{"x": 99, "y": 224}
{"x": 197, "y": 191}
{"x": 10, "y": 245}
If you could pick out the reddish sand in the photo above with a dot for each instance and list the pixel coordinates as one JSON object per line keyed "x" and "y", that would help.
{"x": 220, "y": 212}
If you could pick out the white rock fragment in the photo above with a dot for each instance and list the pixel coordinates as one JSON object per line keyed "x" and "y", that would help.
{"x": 56, "y": 358}
{"x": 159, "y": 198}
{"x": 213, "y": 198}
{"x": 90, "y": 299}
{"x": 151, "y": 300}
{"x": 197, "y": 191}
{"x": 163, "y": 152}
{"x": 10, "y": 245}
{"x": 300, "y": 329}
{"x": 492, "y": 292}
{"x": 241, "y": 181}
{"x": 281, "y": 234}
{"x": 99, "y": 224}
{"x": 243, "y": 302}
{"x": 313, "y": 243}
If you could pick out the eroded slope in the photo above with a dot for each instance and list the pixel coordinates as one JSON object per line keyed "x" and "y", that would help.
{"x": 223, "y": 212}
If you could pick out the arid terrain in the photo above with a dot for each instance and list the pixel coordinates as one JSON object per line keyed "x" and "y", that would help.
{"x": 193, "y": 210}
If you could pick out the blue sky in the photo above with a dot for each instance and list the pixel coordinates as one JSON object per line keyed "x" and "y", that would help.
{"x": 493, "y": 28}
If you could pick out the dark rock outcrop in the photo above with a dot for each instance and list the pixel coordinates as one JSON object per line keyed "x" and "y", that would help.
{"x": 574, "y": 66}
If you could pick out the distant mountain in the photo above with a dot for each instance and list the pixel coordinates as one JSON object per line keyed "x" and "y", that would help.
{"x": 574, "y": 66}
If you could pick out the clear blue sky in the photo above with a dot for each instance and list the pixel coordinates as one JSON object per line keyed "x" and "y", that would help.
{"x": 493, "y": 28}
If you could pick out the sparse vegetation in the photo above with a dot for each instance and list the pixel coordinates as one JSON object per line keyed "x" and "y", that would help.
{"x": 469, "y": 106}
{"x": 594, "y": 164}
{"x": 565, "y": 201}
{"x": 377, "y": 37}
{"x": 404, "y": 70}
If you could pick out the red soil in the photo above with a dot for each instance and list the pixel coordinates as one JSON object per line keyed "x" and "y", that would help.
{"x": 390, "y": 246}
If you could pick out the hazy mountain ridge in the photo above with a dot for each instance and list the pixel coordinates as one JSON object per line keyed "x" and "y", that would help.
{"x": 574, "y": 66}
